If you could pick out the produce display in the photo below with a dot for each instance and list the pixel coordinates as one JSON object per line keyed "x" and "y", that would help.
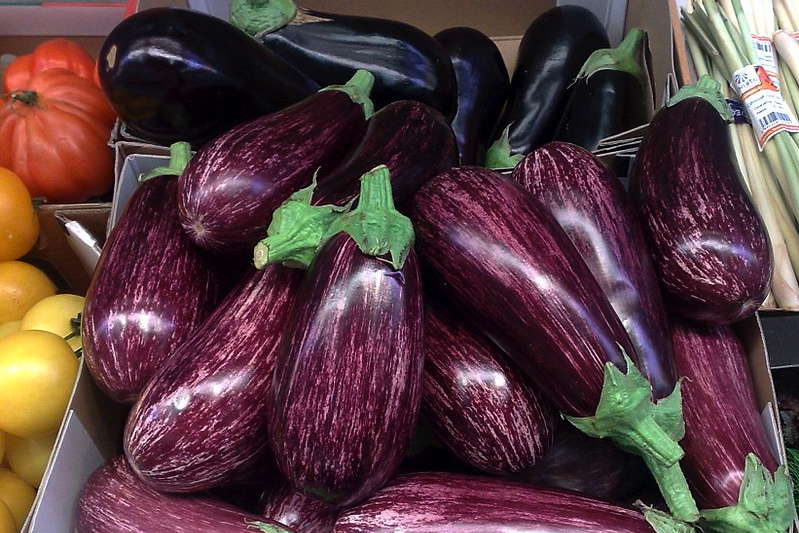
{"x": 385, "y": 284}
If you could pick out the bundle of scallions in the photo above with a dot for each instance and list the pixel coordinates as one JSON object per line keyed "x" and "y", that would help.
{"x": 726, "y": 39}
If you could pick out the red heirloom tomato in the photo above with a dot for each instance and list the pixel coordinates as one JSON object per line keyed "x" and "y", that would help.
{"x": 54, "y": 53}
{"x": 55, "y": 134}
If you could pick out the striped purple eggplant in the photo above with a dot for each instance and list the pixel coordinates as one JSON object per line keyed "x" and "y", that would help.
{"x": 450, "y": 503}
{"x": 392, "y": 139}
{"x": 476, "y": 402}
{"x": 708, "y": 243}
{"x": 594, "y": 467}
{"x": 202, "y": 418}
{"x": 724, "y": 433}
{"x": 348, "y": 379}
{"x": 510, "y": 268}
{"x": 115, "y": 500}
{"x": 282, "y": 503}
{"x": 591, "y": 204}
{"x": 151, "y": 289}
{"x": 231, "y": 186}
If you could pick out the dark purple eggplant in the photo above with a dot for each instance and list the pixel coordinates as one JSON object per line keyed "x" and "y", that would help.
{"x": 482, "y": 82}
{"x": 408, "y": 64}
{"x": 392, "y": 139}
{"x": 708, "y": 243}
{"x": 115, "y": 500}
{"x": 594, "y": 467}
{"x": 609, "y": 94}
{"x": 551, "y": 53}
{"x": 591, "y": 204}
{"x": 231, "y": 186}
{"x": 348, "y": 379}
{"x": 449, "y": 503}
{"x": 151, "y": 289}
{"x": 728, "y": 460}
{"x": 282, "y": 503}
{"x": 202, "y": 417}
{"x": 477, "y": 403}
{"x": 182, "y": 75}
{"x": 503, "y": 259}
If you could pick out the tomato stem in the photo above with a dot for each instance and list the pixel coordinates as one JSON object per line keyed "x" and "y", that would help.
{"x": 29, "y": 98}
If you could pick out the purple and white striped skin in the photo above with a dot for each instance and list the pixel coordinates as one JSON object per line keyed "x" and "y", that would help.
{"x": 282, "y": 503}
{"x": 476, "y": 402}
{"x": 722, "y": 421}
{"x": 591, "y": 466}
{"x": 708, "y": 243}
{"x": 151, "y": 289}
{"x": 234, "y": 182}
{"x": 505, "y": 262}
{"x": 591, "y": 204}
{"x": 115, "y": 500}
{"x": 202, "y": 418}
{"x": 438, "y": 502}
{"x": 412, "y": 139}
{"x": 348, "y": 379}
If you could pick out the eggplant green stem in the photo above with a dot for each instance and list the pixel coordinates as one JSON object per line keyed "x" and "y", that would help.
{"x": 626, "y": 57}
{"x": 498, "y": 156}
{"x": 663, "y": 522}
{"x": 266, "y": 528}
{"x": 627, "y": 415}
{"x": 375, "y": 224}
{"x": 709, "y": 89}
{"x": 259, "y": 17}
{"x": 179, "y": 156}
{"x": 296, "y": 230}
{"x": 763, "y": 503}
{"x": 358, "y": 88}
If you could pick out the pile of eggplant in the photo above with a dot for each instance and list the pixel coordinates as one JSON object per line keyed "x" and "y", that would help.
{"x": 381, "y": 291}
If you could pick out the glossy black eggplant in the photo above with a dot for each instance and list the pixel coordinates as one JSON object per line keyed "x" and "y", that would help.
{"x": 729, "y": 460}
{"x": 476, "y": 402}
{"x": 114, "y": 500}
{"x": 483, "y": 82}
{"x": 176, "y": 74}
{"x": 282, "y": 503}
{"x": 151, "y": 289}
{"x": 230, "y": 188}
{"x": 348, "y": 379}
{"x": 551, "y": 53}
{"x": 408, "y": 64}
{"x": 594, "y": 467}
{"x": 202, "y": 418}
{"x": 609, "y": 95}
{"x": 592, "y": 206}
{"x": 708, "y": 242}
{"x": 447, "y": 502}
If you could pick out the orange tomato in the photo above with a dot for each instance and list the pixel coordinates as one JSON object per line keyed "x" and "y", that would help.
{"x": 19, "y": 221}
{"x": 58, "y": 52}
{"x": 21, "y": 286}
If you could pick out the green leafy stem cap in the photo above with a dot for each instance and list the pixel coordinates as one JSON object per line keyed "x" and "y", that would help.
{"x": 708, "y": 88}
{"x": 179, "y": 156}
{"x": 258, "y": 17}
{"x": 626, "y": 57}
{"x": 359, "y": 89}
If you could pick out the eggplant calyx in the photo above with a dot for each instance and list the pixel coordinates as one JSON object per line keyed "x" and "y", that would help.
{"x": 498, "y": 156}
{"x": 296, "y": 231}
{"x": 663, "y": 522}
{"x": 375, "y": 224}
{"x": 179, "y": 156}
{"x": 763, "y": 503}
{"x": 707, "y": 88}
{"x": 626, "y": 57}
{"x": 358, "y": 88}
{"x": 258, "y": 17}
{"x": 266, "y": 528}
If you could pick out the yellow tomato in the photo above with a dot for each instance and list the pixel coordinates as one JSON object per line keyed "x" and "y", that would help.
{"x": 7, "y": 524}
{"x": 59, "y": 314}
{"x": 21, "y": 286}
{"x": 27, "y": 457}
{"x": 17, "y": 495}
{"x": 2, "y": 445}
{"x": 10, "y": 327}
{"x": 37, "y": 373}
{"x": 19, "y": 221}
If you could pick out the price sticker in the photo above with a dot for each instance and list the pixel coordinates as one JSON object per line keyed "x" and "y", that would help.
{"x": 768, "y": 112}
